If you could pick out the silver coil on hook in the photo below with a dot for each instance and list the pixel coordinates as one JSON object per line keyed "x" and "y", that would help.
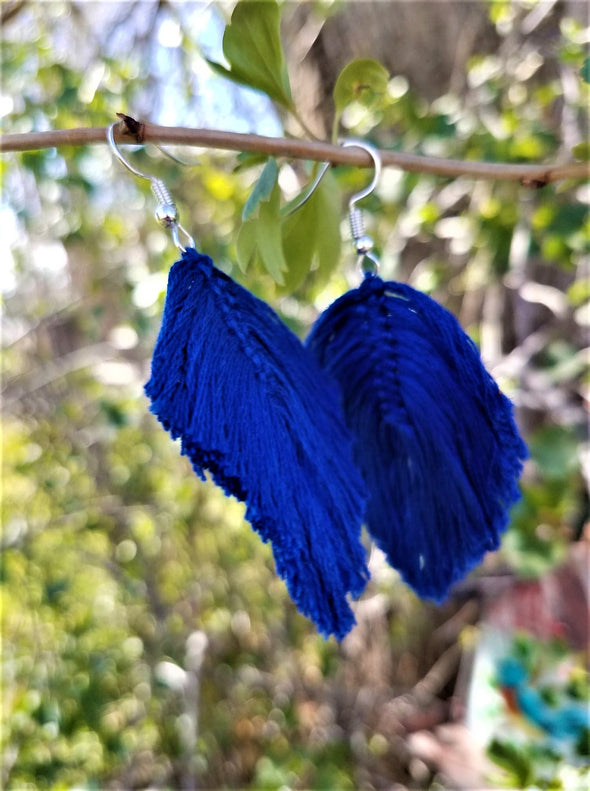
{"x": 166, "y": 212}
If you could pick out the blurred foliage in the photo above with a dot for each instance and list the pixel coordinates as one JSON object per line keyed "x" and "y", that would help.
{"x": 114, "y": 556}
{"x": 558, "y": 681}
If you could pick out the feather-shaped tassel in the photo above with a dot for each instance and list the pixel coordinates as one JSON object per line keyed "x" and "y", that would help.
{"x": 252, "y": 406}
{"x": 435, "y": 438}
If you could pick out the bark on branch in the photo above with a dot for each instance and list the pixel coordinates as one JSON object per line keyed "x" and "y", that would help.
{"x": 528, "y": 175}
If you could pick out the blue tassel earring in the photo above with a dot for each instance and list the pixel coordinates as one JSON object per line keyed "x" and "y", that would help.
{"x": 435, "y": 438}
{"x": 254, "y": 408}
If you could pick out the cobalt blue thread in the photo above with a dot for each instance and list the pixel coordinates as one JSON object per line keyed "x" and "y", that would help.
{"x": 252, "y": 406}
{"x": 434, "y": 437}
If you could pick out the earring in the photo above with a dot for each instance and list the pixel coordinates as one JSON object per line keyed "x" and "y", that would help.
{"x": 434, "y": 437}
{"x": 253, "y": 408}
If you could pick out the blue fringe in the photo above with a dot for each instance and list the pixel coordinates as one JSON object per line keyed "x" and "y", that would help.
{"x": 252, "y": 406}
{"x": 435, "y": 438}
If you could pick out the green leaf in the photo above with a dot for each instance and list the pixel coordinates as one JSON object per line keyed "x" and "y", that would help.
{"x": 246, "y": 244}
{"x": 364, "y": 81}
{"x": 311, "y": 235}
{"x": 329, "y": 218}
{"x": 252, "y": 47}
{"x": 268, "y": 237}
{"x": 585, "y": 70}
{"x": 260, "y": 238}
{"x": 249, "y": 159}
{"x": 262, "y": 189}
{"x": 583, "y": 743}
{"x": 579, "y": 292}
{"x": 223, "y": 72}
{"x": 514, "y": 759}
{"x": 297, "y": 203}
{"x": 554, "y": 450}
{"x": 298, "y": 244}
{"x": 582, "y": 151}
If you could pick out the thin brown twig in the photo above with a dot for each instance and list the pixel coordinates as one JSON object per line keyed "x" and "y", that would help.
{"x": 10, "y": 10}
{"x": 532, "y": 175}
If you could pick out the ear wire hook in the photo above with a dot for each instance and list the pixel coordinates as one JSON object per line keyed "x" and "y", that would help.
{"x": 368, "y": 261}
{"x": 166, "y": 212}
{"x": 176, "y": 158}
{"x": 363, "y": 243}
{"x": 310, "y": 189}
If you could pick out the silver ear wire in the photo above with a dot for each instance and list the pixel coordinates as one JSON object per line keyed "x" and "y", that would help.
{"x": 310, "y": 189}
{"x": 363, "y": 243}
{"x": 166, "y": 212}
{"x": 176, "y": 158}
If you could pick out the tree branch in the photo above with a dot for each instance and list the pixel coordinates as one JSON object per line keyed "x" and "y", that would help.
{"x": 528, "y": 175}
{"x": 10, "y": 10}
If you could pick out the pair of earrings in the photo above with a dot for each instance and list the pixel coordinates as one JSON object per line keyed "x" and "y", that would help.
{"x": 385, "y": 416}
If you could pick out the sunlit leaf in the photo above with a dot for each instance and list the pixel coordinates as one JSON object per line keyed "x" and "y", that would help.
{"x": 579, "y": 292}
{"x": 582, "y": 151}
{"x": 252, "y": 47}
{"x": 364, "y": 81}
